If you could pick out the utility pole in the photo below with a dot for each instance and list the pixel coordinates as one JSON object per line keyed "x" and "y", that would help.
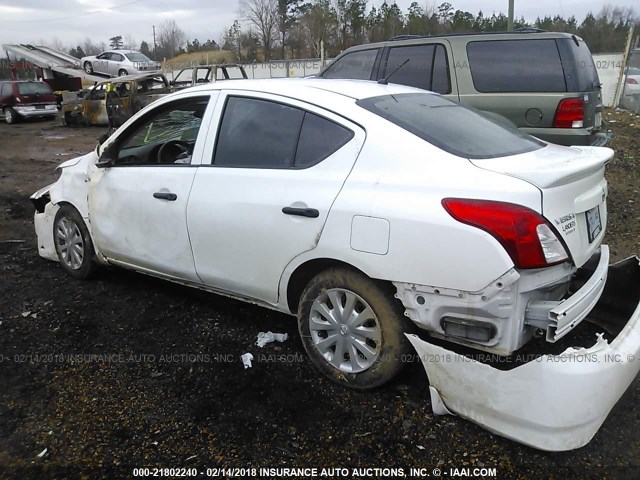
{"x": 510, "y": 19}
{"x": 155, "y": 49}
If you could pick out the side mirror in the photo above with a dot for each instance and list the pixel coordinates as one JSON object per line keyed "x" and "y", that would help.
{"x": 104, "y": 161}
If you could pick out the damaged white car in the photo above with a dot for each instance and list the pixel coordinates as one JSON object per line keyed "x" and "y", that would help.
{"x": 368, "y": 210}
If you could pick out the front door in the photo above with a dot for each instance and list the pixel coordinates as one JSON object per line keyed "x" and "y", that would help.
{"x": 138, "y": 206}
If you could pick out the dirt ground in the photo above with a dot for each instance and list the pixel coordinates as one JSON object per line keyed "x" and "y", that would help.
{"x": 169, "y": 389}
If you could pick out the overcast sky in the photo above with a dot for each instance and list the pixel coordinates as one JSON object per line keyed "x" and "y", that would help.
{"x": 71, "y": 21}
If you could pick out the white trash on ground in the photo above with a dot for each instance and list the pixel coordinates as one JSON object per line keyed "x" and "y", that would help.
{"x": 264, "y": 338}
{"x": 246, "y": 360}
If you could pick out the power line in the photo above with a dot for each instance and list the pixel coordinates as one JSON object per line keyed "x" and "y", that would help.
{"x": 77, "y": 15}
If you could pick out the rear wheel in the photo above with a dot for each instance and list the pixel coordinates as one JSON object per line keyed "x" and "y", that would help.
{"x": 73, "y": 243}
{"x": 10, "y": 115}
{"x": 122, "y": 72}
{"x": 88, "y": 67}
{"x": 352, "y": 328}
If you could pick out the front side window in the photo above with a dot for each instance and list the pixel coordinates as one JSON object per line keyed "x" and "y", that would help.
{"x": 448, "y": 125}
{"x": 257, "y": 133}
{"x": 357, "y": 65}
{"x": 516, "y": 66}
{"x": 167, "y": 135}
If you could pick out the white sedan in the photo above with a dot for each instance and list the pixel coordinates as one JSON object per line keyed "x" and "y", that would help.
{"x": 368, "y": 211}
{"x": 118, "y": 63}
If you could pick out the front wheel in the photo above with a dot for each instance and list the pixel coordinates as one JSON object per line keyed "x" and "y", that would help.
{"x": 122, "y": 72}
{"x": 352, "y": 328}
{"x": 73, "y": 243}
{"x": 10, "y": 115}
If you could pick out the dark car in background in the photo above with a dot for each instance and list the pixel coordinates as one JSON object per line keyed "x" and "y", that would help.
{"x": 545, "y": 83}
{"x": 26, "y": 99}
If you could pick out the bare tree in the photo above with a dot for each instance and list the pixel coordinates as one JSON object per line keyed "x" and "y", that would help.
{"x": 171, "y": 38}
{"x": 263, "y": 15}
{"x": 90, "y": 48}
{"x": 130, "y": 42}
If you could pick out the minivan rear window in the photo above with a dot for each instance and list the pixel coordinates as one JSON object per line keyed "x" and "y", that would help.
{"x": 457, "y": 129}
{"x": 33, "y": 88}
{"x": 579, "y": 68}
{"x": 357, "y": 65}
{"x": 516, "y": 66}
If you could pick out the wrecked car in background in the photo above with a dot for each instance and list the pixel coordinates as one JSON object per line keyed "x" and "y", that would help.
{"x": 360, "y": 208}
{"x": 127, "y": 95}
{"x": 191, "y": 76}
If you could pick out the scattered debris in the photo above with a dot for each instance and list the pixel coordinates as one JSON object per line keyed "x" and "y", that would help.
{"x": 190, "y": 458}
{"x": 246, "y": 360}
{"x": 26, "y": 314}
{"x": 156, "y": 374}
{"x": 264, "y": 338}
{"x": 13, "y": 241}
{"x": 43, "y": 453}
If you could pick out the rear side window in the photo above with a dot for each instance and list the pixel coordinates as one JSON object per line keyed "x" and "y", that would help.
{"x": 426, "y": 67}
{"x": 457, "y": 129}
{"x": 6, "y": 90}
{"x": 356, "y": 65}
{"x": 32, "y": 88}
{"x": 516, "y": 66}
{"x": 257, "y": 133}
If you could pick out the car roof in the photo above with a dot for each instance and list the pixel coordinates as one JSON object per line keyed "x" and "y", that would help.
{"x": 308, "y": 89}
{"x": 475, "y": 36}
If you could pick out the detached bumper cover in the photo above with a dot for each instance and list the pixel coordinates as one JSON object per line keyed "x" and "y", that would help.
{"x": 555, "y": 402}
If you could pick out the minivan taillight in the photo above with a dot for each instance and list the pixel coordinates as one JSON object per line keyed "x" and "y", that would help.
{"x": 526, "y": 236}
{"x": 569, "y": 114}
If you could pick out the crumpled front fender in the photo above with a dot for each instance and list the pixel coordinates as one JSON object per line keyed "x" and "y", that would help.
{"x": 555, "y": 402}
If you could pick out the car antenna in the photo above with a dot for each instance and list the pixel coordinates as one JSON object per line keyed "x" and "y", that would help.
{"x": 385, "y": 81}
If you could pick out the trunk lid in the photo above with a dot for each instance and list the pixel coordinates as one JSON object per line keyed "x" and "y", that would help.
{"x": 573, "y": 191}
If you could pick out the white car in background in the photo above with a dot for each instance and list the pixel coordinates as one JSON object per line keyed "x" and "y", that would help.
{"x": 631, "y": 81}
{"x": 368, "y": 211}
{"x": 118, "y": 63}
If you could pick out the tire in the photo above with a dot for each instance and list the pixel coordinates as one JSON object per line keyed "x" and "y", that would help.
{"x": 88, "y": 67}
{"x": 10, "y": 115}
{"x": 73, "y": 243}
{"x": 373, "y": 343}
{"x": 122, "y": 72}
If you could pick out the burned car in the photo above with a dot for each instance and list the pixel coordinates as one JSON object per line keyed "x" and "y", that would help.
{"x": 189, "y": 77}
{"x": 114, "y": 101}
{"x": 381, "y": 216}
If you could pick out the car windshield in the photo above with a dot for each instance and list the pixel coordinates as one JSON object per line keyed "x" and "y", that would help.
{"x": 459, "y": 130}
{"x": 33, "y": 88}
{"x": 137, "y": 57}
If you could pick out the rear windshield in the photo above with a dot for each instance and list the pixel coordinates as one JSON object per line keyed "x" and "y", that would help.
{"x": 457, "y": 129}
{"x": 33, "y": 88}
{"x": 137, "y": 57}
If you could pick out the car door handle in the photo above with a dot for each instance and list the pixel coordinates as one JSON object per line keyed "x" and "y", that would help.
{"x": 302, "y": 212}
{"x": 166, "y": 196}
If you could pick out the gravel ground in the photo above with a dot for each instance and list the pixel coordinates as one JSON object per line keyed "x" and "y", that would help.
{"x": 166, "y": 387}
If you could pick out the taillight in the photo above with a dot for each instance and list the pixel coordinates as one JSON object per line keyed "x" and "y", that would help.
{"x": 526, "y": 236}
{"x": 632, "y": 81}
{"x": 569, "y": 114}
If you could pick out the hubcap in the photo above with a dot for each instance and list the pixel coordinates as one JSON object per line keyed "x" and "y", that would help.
{"x": 70, "y": 243}
{"x": 345, "y": 330}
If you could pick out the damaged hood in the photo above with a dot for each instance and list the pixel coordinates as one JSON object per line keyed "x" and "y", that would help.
{"x": 74, "y": 161}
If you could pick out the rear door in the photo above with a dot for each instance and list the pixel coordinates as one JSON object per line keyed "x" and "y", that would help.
{"x": 274, "y": 171}
{"x": 421, "y": 65}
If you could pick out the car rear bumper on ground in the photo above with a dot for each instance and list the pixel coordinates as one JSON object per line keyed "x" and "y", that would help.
{"x": 32, "y": 111}
{"x": 554, "y": 402}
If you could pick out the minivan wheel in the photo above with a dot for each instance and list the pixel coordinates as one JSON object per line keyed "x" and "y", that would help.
{"x": 10, "y": 115}
{"x": 122, "y": 72}
{"x": 352, "y": 328}
{"x": 88, "y": 67}
{"x": 73, "y": 243}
